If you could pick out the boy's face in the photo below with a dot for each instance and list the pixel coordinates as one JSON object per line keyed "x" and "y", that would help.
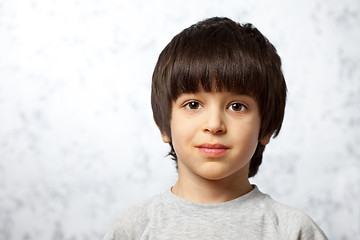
{"x": 214, "y": 134}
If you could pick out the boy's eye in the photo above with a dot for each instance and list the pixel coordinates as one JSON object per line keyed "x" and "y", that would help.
{"x": 192, "y": 105}
{"x": 237, "y": 107}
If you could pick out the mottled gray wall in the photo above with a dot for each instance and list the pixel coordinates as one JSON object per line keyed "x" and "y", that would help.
{"x": 77, "y": 140}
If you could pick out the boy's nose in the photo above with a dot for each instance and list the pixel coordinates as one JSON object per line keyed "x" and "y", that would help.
{"x": 215, "y": 123}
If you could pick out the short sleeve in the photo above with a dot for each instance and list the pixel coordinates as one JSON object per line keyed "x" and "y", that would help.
{"x": 308, "y": 229}
{"x": 130, "y": 224}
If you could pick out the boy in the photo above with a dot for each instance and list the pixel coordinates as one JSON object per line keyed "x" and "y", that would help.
{"x": 218, "y": 96}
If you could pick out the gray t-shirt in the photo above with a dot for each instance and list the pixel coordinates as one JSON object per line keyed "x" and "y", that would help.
{"x": 252, "y": 216}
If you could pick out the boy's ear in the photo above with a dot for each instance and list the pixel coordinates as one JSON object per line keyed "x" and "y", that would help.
{"x": 165, "y": 138}
{"x": 265, "y": 140}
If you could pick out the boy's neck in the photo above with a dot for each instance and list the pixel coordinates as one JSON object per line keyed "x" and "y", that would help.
{"x": 211, "y": 191}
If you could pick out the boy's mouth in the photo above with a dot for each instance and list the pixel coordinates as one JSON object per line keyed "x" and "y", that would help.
{"x": 212, "y": 150}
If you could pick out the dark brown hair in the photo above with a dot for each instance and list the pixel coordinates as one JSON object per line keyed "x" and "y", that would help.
{"x": 218, "y": 54}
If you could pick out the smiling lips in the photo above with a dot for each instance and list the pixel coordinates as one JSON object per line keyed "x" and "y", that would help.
{"x": 213, "y": 150}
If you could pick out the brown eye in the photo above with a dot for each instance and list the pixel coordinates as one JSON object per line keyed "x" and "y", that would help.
{"x": 193, "y": 105}
{"x": 237, "y": 107}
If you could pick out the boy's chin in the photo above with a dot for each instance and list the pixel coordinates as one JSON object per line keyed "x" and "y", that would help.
{"x": 216, "y": 174}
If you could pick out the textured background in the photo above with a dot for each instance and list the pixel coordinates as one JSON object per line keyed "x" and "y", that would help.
{"x": 77, "y": 140}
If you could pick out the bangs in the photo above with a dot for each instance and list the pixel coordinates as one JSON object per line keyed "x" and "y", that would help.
{"x": 219, "y": 62}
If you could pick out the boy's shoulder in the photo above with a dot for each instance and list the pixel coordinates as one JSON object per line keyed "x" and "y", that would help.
{"x": 131, "y": 222}
{"x": 291, "y": 222}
